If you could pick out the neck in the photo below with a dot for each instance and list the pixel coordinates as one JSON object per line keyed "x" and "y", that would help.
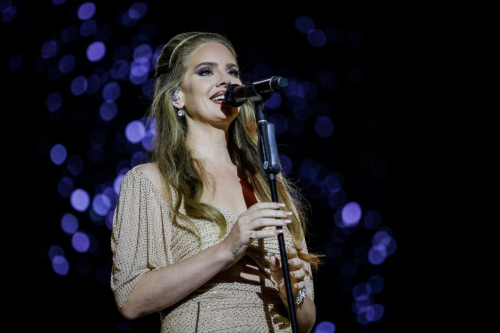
{"x": 208, "y": 144}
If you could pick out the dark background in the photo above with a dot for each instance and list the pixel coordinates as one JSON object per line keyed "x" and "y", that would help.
{"x": 379, "y": 118}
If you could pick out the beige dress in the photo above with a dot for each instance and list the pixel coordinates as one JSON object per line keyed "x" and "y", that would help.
{"x": 243, "y": 297}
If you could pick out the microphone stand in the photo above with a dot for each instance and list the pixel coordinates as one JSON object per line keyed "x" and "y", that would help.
{"x": 268, "y": 154}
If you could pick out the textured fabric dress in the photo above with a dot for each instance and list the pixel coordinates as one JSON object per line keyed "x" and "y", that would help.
{"x": 145, "y": 238}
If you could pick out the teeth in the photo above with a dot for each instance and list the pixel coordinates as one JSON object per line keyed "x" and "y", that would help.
{"x": 219, "y": 97}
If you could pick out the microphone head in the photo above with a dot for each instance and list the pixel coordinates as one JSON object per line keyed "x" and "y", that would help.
{"x": 278, "y": 83}
{"x": 230, "y": 97}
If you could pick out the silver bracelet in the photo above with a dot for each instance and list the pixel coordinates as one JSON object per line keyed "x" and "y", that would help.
{"x": 299, "y": 300}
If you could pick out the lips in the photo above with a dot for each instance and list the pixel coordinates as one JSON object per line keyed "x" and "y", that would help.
{"x": 218, "y": 96}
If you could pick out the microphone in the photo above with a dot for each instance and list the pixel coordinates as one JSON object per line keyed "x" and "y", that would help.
{"x": 256, "y": 91}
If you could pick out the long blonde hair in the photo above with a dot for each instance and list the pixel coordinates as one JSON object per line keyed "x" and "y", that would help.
{"x": 186, "y": 176}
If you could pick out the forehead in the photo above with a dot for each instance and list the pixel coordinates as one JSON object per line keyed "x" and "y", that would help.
{"x": 211, "y": 52}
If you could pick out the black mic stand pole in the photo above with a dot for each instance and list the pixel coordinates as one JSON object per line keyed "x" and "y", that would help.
{"x": 269, "y": 159}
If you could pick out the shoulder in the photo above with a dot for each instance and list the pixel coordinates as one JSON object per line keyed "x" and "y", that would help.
{"x": 151, "y": 172}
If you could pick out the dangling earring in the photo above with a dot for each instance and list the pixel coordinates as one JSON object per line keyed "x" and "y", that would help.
{"x": 180, "y": 113}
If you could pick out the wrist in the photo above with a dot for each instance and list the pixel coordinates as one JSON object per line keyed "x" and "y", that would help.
{"x": 298, "y": 300}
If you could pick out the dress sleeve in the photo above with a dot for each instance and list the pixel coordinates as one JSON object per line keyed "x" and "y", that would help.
{"x": 140, "y": 234}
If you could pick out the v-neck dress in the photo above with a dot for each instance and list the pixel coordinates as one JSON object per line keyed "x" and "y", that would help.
{"x": 145, "y": 238}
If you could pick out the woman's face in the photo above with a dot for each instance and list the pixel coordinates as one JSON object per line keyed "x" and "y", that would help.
{"x": 211, "y": 68}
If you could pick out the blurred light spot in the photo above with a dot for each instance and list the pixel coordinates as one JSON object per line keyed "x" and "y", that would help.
{"x": 67, "y": 63}
{"x": 60, "y": 265}
{"x": 273, "y": 102}
{"x": 101, "y": 204}
{"x": 328, "y": 80}
{"x": 54, "y": 101}
{"x": 16, "y": 61}
{"x": 79, "y": 85}
{"x": 80, "y": 200}
{"x": 126, "y": 20}
{"x": 335, "y": 35}
{"x": 381, "y": 238}
{"x": 65, "y": 186}
{"x": 372, "y": 219}
{"x": 279, "y": 121}
{"x": 58, "y": 2}
{"x": 108, "y": 110}
{"x": 304, "y": 24}
{"x": 88, "y": 28}
{"x": 138, "y": 157}
{"x": 69, "y": 223}
{"x": 86, "y": 11}
{"x": 316, "y": 37}
{"x": 55, "y": 250}
{"x": 111, "y": 92}
{"x": 69, "y": 34}
{"x": 143, "y": 53}
{"x": 117, "y": 183}
{"x": 376, "y": 283}
{"x": 96, "y": 51}
{"x": 360, "y": 291}
{"x": 135, "y": 131}
{"x": 147, "y": 141}
{"x": 325, "y": 327}
{"x": 324, "y": 127}
{"x": 139, "y": 72}
{"x": 374, "y": 312}
{"x": 354, "y": 74}
{"x": 377, "y": 254}
{"x": 83, "y": 266}
{"x": 97, "y": 138}
{"x": 334, "y": 182}
{"x": 137, "y": 10}
{"x": 362, "y": 303}
{"x": 355, "y": 38}
{"x": 286, "y": 163}
{"x": 9, "y": 12}
{"x": 80, "y": 242}
{"x": 49, "y": 49}
{"x": 75, "y": 165}
{"x": 94, "y": 84}
{"x": 58, "y": 154}
{"x": 351, "y": 214}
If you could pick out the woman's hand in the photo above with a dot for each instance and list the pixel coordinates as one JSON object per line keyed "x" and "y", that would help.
{"x": 250, "y": 224}
{"x": 295, "y": 268}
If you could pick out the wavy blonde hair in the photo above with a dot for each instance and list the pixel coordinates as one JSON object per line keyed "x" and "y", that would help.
{"x": 187, "y": 176}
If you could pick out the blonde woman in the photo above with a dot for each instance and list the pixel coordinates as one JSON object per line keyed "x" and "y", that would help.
{"x": 194, "y": 231}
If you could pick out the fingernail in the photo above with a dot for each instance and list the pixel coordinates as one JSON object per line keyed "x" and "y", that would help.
{"x": 289, "y": 263}
{"x": 296, "y": 286}
{"x": 288, "y": 251}
{"x": 287, "y": 221}
{"x": 292, "y": 275}
{"x": 281, "y": 205}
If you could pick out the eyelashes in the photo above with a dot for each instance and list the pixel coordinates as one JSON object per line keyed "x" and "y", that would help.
{"x": 209, "y": 71}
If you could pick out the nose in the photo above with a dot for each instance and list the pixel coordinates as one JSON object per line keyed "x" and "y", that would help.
{"x": 226, "y": 81}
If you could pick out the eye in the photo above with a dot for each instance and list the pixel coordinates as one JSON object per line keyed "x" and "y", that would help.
{"x": 234, "y": 72}
{"x": 205, "y": 71}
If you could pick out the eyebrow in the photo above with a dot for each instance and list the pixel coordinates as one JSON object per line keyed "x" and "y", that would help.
{"x": 214, "y": 64}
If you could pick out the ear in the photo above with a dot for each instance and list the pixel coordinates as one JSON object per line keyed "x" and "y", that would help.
{"x": 178, "y": 103}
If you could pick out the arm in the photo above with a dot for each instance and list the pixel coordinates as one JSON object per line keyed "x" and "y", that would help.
{"x": 144, "y": 277}
{"x": 305, "y": 313}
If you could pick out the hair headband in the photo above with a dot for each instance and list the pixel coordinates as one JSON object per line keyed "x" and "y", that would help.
{"x": 177, "y": 46}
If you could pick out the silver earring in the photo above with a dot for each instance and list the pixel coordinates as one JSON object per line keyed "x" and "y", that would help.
{"x": 175, "y": 95}
{"x": 180, "y": 113}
